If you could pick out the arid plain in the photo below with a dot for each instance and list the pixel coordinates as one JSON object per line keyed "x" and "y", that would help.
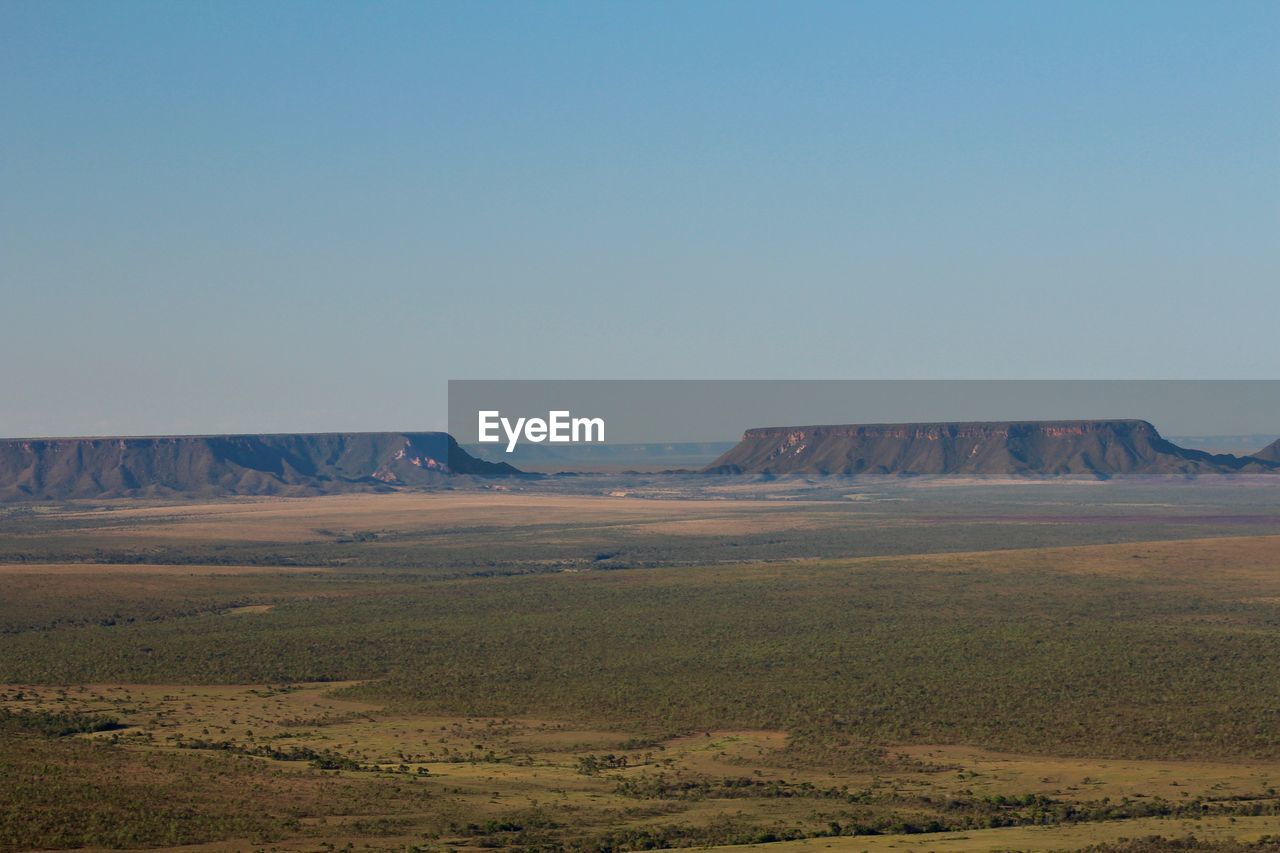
{"x": 890, "y": 665}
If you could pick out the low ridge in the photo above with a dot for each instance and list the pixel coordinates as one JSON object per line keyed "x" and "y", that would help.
{"x": 280, "y": 464}
{"x": 1086, "y": 448}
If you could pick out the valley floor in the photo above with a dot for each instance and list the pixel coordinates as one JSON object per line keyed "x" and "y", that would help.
{"x": 469, "y": 672}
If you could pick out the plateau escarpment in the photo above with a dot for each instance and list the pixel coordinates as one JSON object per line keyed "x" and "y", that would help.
{"x": 282, "y": 464}
{"x": 1086, "y": 448}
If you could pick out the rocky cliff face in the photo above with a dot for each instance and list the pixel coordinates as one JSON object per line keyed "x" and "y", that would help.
{"x": 1098, "y": 449}
{"x": 287, "y": 464}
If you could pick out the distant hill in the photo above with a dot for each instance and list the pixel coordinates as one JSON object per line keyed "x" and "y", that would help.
{"x": 1270, "y": 453}
{"x": 284, "y": 464}
{"x": 1099, "y": 449}
{"x": 1236, "y": 445}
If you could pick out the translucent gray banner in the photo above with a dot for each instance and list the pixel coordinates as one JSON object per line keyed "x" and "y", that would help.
{"x": 651, "y": 424}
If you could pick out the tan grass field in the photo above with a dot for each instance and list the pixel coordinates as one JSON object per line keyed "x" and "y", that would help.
{"x": 298, "y": 519}
{"x": 502, "y": 766}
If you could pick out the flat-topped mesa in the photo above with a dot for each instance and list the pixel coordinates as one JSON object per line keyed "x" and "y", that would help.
{"x": 275, "y": 464}
{"x": 1086, "y": 448}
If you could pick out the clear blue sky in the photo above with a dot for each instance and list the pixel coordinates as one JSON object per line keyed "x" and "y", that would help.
{"x": 226, "y": 216}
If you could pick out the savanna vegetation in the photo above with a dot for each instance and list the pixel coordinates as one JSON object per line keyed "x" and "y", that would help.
{"x": 594, "y": 686}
